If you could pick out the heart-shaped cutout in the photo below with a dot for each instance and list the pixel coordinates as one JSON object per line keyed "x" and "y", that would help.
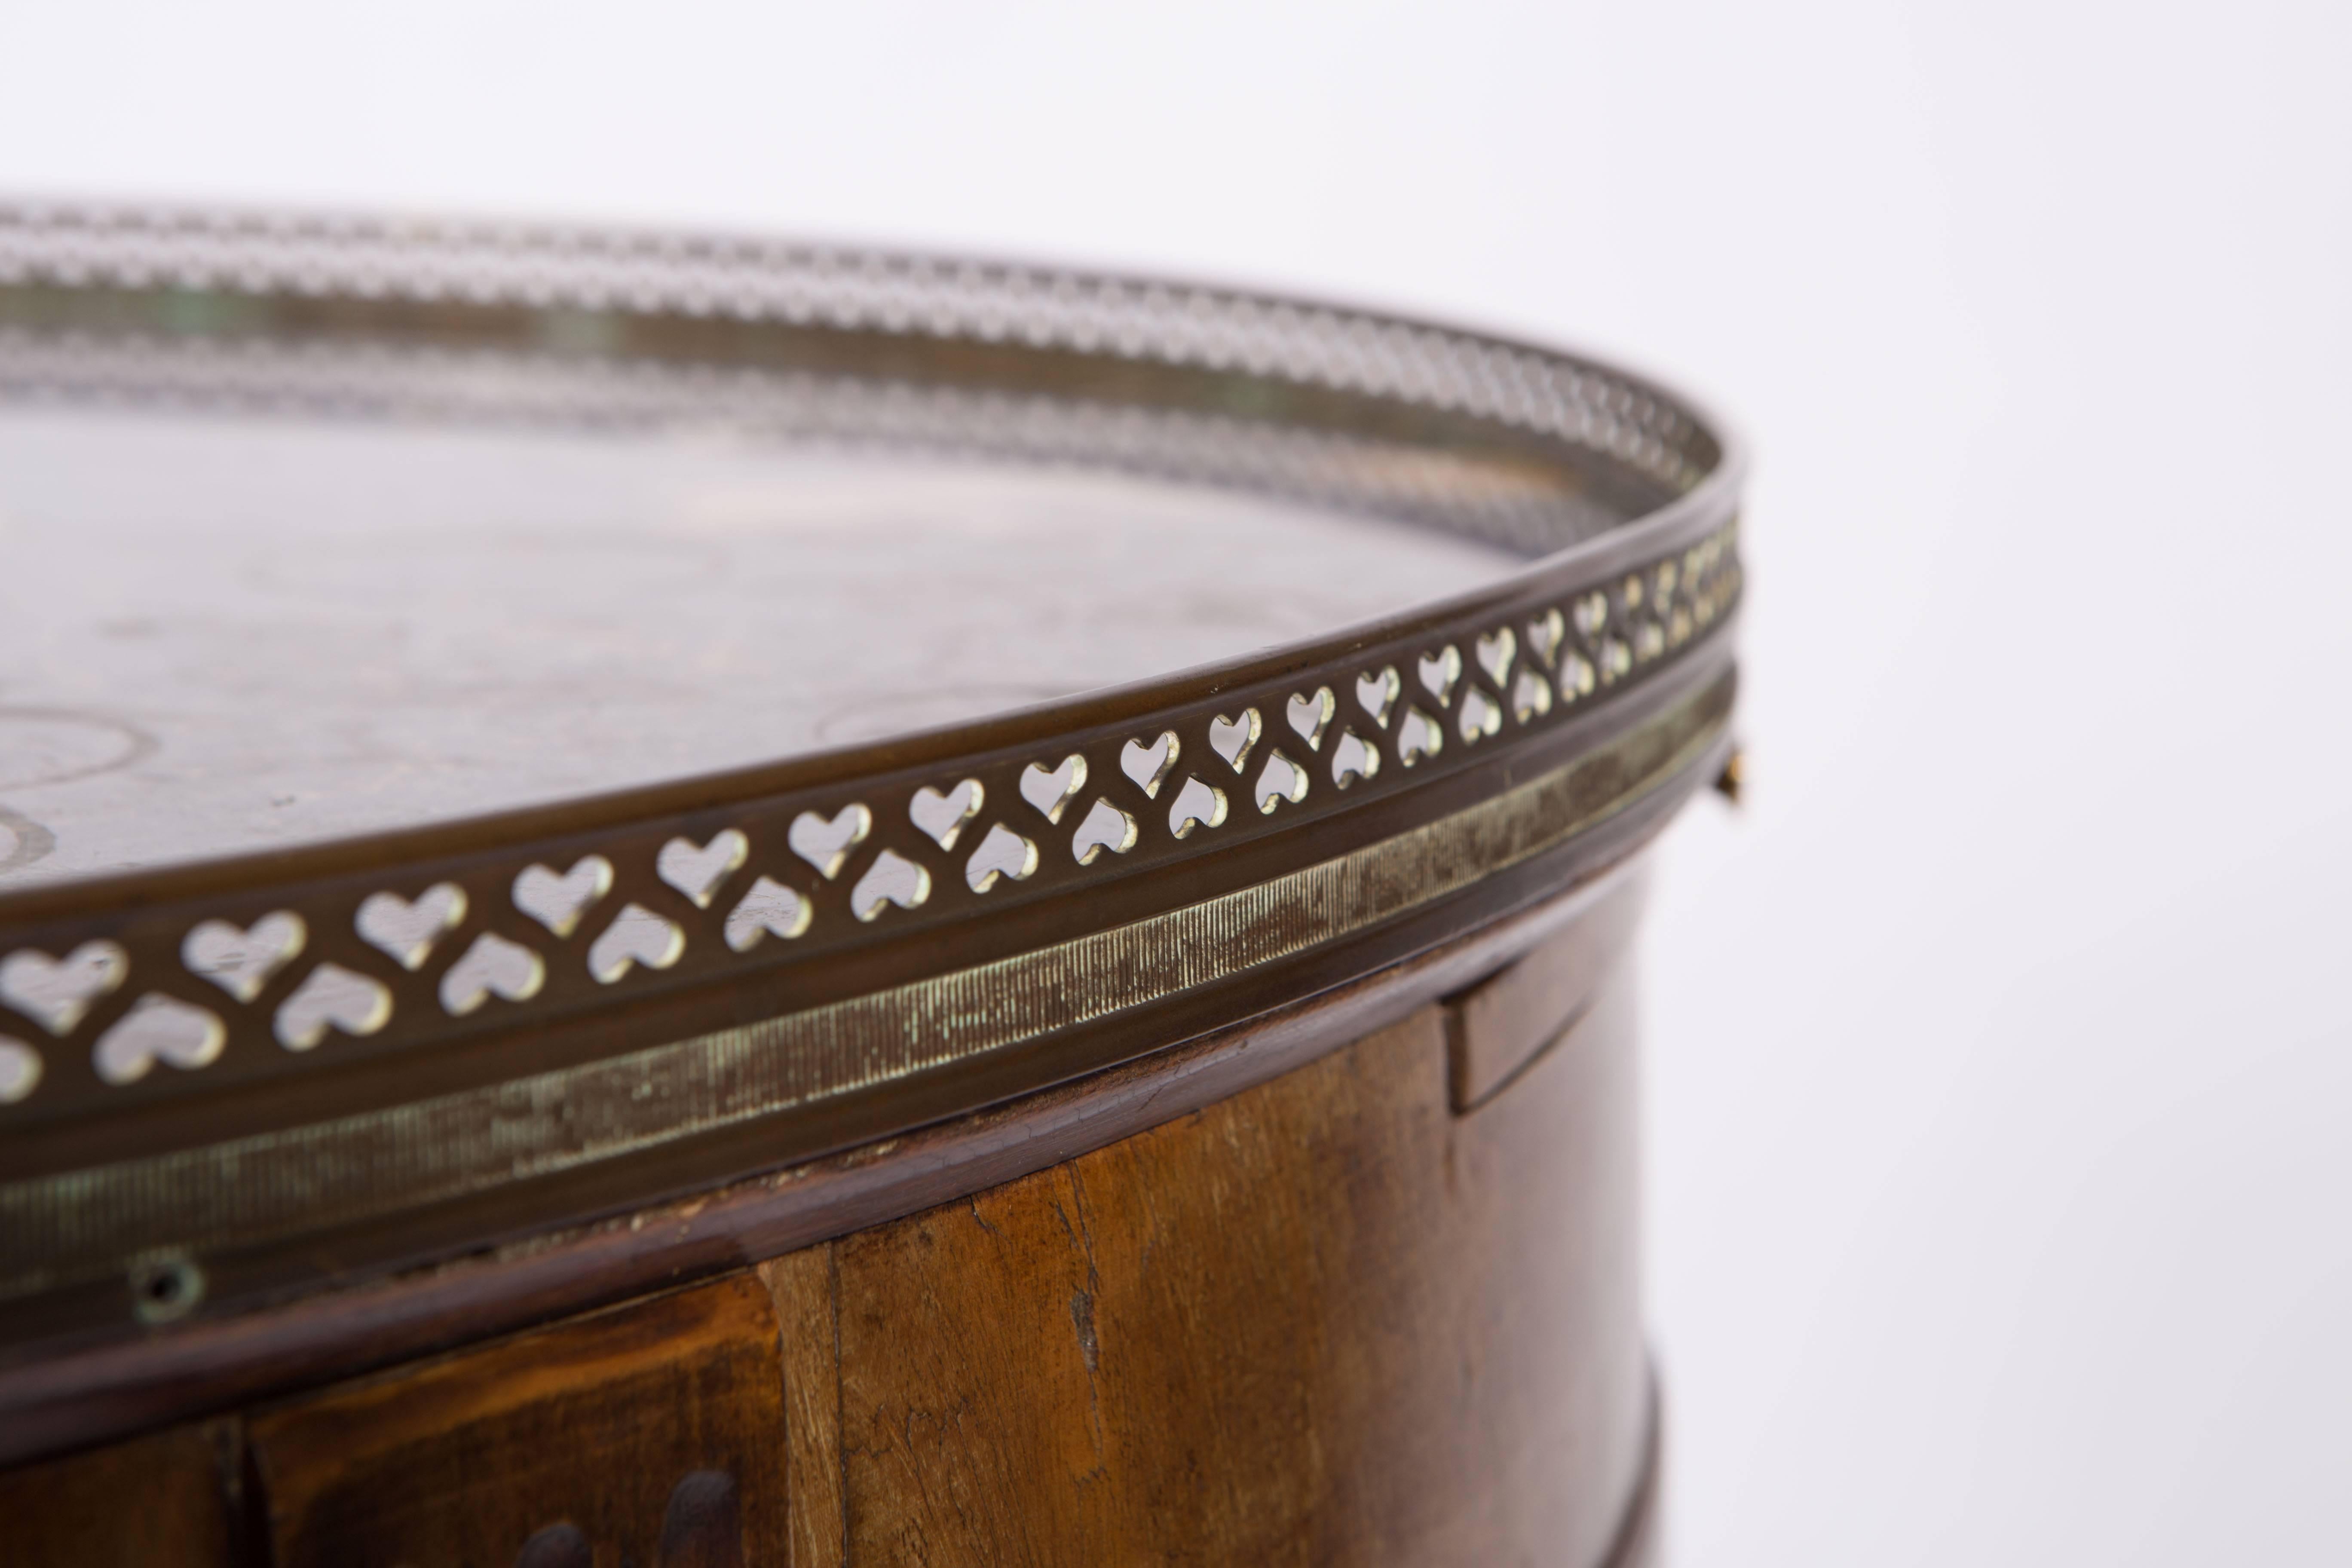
{"x": 557, "y": 902}
{"x": 1591, "y": 613}
{"x": 1649, "y": 641}
{"x": 493, "y": 966}
{"x": 1418, "y": 736}
{"x": 944, "y": 815}
{"x": 1662, "y": 581}
{"x": 1281, "y": 780}
{"x": 1632, "y": 593}
{"x": 769, "y": 908}
{"x": 406, "y": 932}
{"x": 1106, "y": 827}
{"x": 1545, "y": 633}
{"x": 891, "y": 879}
{"x": 1003, "y": 853}
{"x": 56, "y": 992}
{"x": 1576, "y": 678}
{"x": 1481, "y": 715}
{"x": 20, "y": 1070}
{"x": 1352, "y": 759}
{"x": 331, "y": 996}
{"x": 1051, "y": 793}
{"x": 1376, "y": 693}
{"x": 1310, "y": 715}
{"x": 1440, "y": 670}
{"x": 1149, "y": 765}
{"x": 1197, "y": 804}
{"x": 158, "y": 1029}
{"x": 241, "y": 962}
{"x": 1232, "y": 739}
{"x": 638, "y": 935}
{"x": 698, "y": 869}
{"x": 1496, "y": 651}
{"x": 826, "y": 845}
{"x": 1531, "y": 698}
{"x": 1616, "y": 661}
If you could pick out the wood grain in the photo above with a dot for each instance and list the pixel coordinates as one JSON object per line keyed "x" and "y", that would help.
{"x": 649, "y": 1434}
{"x": 169, "y": 1498}
{"x": 804, "y": 1286}
{"x": 1326, "y": 1321}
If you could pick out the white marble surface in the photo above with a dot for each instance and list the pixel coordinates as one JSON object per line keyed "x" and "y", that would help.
{"x": 219, "y": 635}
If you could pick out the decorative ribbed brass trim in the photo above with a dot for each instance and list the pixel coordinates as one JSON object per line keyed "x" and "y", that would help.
{"x": 84, "y": 1223}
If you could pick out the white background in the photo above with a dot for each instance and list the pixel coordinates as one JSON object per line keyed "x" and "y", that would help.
{"x": 2001, "y": 1059}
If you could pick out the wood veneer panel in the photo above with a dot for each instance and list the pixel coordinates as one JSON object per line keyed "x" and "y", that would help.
{"x": 652, "y": 1434}
{"x": 1327, "y": 1320}
{"x": 167, "y": 1498}
{"x": 803, "y": 1286}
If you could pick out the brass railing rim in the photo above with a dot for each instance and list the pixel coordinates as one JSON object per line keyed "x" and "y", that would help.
{"x": 1587, "y": 652}
{"x": 1712, "y": 499}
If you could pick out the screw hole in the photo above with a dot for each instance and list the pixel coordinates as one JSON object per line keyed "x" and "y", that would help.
{"x": 164, "y": 1290}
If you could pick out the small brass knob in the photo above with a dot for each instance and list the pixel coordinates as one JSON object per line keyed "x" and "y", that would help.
{"x": 1728, "y": 782}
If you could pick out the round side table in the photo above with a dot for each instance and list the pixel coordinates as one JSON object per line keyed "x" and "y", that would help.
{"x": 679, "y": 899}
